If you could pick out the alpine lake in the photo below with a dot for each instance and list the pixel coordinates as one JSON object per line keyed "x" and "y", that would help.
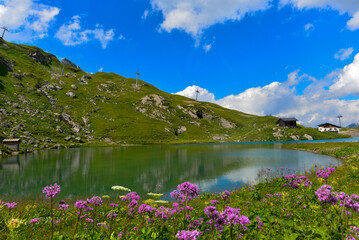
{"x": 85, "y": 172}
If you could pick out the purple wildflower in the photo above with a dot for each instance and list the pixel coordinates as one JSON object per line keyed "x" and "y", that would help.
{"x": 185, "y": 191}
{"x": 10, "y": 205}
{"x": 131, "y": 196}
{"x": 144, "y": 208}
{"x": 96, "y": 201}
{"x": 214, "y": 202}
{"x": 80, "y": 204}
{"x": 35, "y": 220}
{"x": 63, "y": 207}
{"x": 225, "y": 195}
{"x": 188, "y": 235}
{"x": 260, "y": 223}
{"x": 51, "y": 191}
{"x": 112, "y": 215}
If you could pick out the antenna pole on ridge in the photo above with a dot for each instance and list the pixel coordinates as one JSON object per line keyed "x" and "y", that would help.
{"x": 137, "y": 74}
{"x": 5, "y": 30}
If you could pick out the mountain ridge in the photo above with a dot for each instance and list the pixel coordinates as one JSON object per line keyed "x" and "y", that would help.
{"x": 46, "y": 108}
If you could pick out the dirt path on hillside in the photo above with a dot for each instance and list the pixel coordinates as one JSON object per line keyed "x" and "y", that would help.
{"x": 352, "y": 132}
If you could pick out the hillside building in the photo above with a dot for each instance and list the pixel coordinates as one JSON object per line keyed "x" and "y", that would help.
{"x": 287, "y": 122}
{"x": 328, "y": 127}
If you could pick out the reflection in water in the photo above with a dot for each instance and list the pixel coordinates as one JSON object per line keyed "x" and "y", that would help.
{"x": 92, "y": 171}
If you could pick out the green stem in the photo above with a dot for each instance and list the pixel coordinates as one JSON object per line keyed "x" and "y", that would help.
{"x": 52, "y": 222}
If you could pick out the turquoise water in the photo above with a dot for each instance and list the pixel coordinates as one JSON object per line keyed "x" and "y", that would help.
{"x": 83, "y": 172}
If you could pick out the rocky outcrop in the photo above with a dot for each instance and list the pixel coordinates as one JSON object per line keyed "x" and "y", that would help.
{"x": 227, "y": 124}
{"x": 74, "y": 126}
{"x": 307, "y": 136}
{"x": 154, "y": 100}
{"x": 37, "y": 56}
{"x": 7, "y": 65}
{"x": 67, "y": 62}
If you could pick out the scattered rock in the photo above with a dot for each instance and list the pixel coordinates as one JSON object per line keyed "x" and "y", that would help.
{"x": 58, "y": 128}
{"x": 108, "y": 140}
{"x": 58, "y": 146}
{"x": 220, "y": 137}
{"x": 74, "y": 87}
{"x": 23, "y": 100}
{"x": 76, "y": 129}
{"x": 6, "y": 46}
{"x": 3, "y": 111}
{"x": 295, "y": 137}
{"x": 84, "y": 79}
{"x": 62, "y": 82}
{"x": 86, "y": 120}
{"x": 68, "y": 138}
{"x": 78, "y": 139}
{"x": 71, "y": 94}
{"x": 180, "y": 130}
{"x": 307, "y": 136}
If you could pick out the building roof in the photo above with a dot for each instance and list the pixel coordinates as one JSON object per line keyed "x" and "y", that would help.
{"x": 288, "y": 119}
{"x": 326, "y": 124}
{"x": 12, "y": 140}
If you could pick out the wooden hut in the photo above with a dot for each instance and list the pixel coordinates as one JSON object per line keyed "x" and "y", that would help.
{"x": 13, "y": 143}
{"x": 287, "y": 122}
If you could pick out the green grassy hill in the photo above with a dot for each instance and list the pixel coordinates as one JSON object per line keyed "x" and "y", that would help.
{"x": 43, "y": 107}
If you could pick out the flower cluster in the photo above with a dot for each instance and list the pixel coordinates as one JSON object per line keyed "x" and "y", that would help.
{"x": 229, "y": 216}
{"x": 325, "y": 194}
{"x": 354, "y": 233}
{"x": 51, "y": 191}
{"x": 185, "y": 191}
{"x": 188, "y": 235}
{"x": 144, "y": 208}
{"x": 120, "y": 188}
{"x": 325, "y": 174}
{"x": 296, "y": 181}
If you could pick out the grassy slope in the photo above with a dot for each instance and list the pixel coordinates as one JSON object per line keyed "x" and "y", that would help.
{"x": 338, "y": 150}
{"x": 113, "y": 107}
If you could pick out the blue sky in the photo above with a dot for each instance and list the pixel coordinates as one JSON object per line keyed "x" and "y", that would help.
{"x": 282, "y": 57}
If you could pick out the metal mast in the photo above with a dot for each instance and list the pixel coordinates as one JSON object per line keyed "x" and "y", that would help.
{"x": 5, "y": 30}
{"x": 339, "y": 117}
{"x": 137, "y": 74}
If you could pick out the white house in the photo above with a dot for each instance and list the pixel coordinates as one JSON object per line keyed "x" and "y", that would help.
{"x": 328, "y": 127}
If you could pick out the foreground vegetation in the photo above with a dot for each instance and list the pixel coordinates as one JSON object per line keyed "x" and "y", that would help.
{"x": 286, "y": 205}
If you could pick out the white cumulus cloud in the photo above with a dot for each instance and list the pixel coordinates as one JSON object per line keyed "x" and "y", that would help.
{"x": 344, "y": 53}
{"x": 193, "y": 16}
{"x": 202, "y": 95}
{"x": 350, "y": 7}
{"x": 71, "y": 33}
{"x": 321, "y": 101}
{"x": 26, "y": 20}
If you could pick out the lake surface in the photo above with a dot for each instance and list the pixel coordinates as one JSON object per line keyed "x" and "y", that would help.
{"x": 83, "y": 172}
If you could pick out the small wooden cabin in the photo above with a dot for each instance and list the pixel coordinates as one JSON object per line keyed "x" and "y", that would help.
{"x": 328, "y": 127}
{"x": 13, "y": 143}
{"x": 287, "y": 122}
